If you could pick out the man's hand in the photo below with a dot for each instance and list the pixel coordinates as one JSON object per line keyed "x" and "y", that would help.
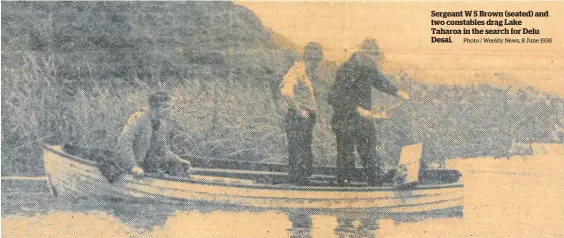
{"x": 403, "y": 94}
{"x": 364, "y": 113}
{"x": 381, "y": 115}
{"x": 304, "y": 114}
{"x": 369, "y": 115}
{"x": 137, "y": 171}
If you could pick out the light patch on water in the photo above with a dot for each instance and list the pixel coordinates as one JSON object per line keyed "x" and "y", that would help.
{"x": 519, "y": 197}
{"x": 323, "y": 226}
{"x": 225, "y": 224}
{"x": 66, "y": 224}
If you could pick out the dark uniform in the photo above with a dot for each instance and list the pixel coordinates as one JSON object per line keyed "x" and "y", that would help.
{"x": 353, "y": 89}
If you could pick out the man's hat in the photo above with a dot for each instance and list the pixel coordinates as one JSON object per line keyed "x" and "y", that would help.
{"x": 370, "y": 46}
{"x": 369, "y": 53}
{"x": 313, "y": 50}
{"x": 158, "y": 97}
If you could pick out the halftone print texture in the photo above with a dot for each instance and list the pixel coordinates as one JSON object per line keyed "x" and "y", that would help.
{"x": 487, "y": 120}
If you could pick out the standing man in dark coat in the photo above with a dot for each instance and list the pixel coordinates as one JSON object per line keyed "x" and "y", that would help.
{"x": 297, "y": 90}
{"x": 351, "y": 98}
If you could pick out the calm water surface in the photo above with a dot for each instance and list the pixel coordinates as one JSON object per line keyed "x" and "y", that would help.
{"x": 495, "y": 205}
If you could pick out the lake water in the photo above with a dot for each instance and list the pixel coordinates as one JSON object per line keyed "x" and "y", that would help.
{"x": 502, "y": 199}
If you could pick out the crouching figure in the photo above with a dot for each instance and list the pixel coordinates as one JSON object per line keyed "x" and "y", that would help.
{"x": 142, "y": 145}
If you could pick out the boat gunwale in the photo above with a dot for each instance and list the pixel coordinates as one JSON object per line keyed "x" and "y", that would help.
{"x": 262, "y": 186}
{"x": 347, "y": 209}
{"x": 312, "y": 199}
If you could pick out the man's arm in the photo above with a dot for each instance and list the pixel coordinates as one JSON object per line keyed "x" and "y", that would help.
{"x": 169, "y": 155}
{"x": 334, "y": 96}
{"x": 387, "y": 85}
{"x": 287, "y": 85}
{"x": 174, "y": 157}
{"x": 384, "y": 83}
{"x": 125, "y": 142}
{"x": 291, "y": 79}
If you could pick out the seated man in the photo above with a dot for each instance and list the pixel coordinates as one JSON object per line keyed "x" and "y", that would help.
{"x": 142, "y": 145}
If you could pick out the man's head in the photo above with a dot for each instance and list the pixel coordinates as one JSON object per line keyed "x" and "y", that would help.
{"x": 159, "y": 104}
{"x": 369, "y": 46}
{"x": 313, "y": 54}
{"x": 369, "y": 53}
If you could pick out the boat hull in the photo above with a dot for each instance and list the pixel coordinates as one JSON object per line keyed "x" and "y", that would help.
{"x": 71, "y": 176}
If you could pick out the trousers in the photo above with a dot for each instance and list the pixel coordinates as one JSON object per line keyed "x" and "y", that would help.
{"x": 299, "y": 133}
{"x": 357, "y": 134}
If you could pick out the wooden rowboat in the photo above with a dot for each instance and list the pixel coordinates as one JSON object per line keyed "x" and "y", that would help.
{"x": 73, "y": 176}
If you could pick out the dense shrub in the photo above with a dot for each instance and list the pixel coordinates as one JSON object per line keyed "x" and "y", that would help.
{"x": 74, "y": 71}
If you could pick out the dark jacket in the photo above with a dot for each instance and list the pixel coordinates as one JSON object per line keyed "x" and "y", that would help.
{"x": 353, "y": 87}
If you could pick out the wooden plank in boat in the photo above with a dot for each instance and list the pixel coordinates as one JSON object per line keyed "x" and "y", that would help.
{"x": 295, "y": 192}
{"x": 265, "y": 200}
{"x": 228, "y": 164}
{"x": 408, "y": 169}
{"x": 268, "y": 173}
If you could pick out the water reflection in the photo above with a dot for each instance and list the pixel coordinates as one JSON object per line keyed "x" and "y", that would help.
{"x": 508, "y": 205}
{"x": 194, "y": 219}
{"x": 146, "y": 219}
{"x": 140, "y": 215}
{"x": 346, "y": 225}
{"x": 366, "y": 226}
{"x": 358, "y": 224}
{"x": 301, "y": 225}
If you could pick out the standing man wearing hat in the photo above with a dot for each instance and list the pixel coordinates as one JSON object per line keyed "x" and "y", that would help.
{"x": 351, "y": 98}
{"x": 142, "y": 145}
{"x": 298, "y": 92}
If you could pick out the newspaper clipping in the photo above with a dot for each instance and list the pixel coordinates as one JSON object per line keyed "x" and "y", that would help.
{"x": 282, "y": 119}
